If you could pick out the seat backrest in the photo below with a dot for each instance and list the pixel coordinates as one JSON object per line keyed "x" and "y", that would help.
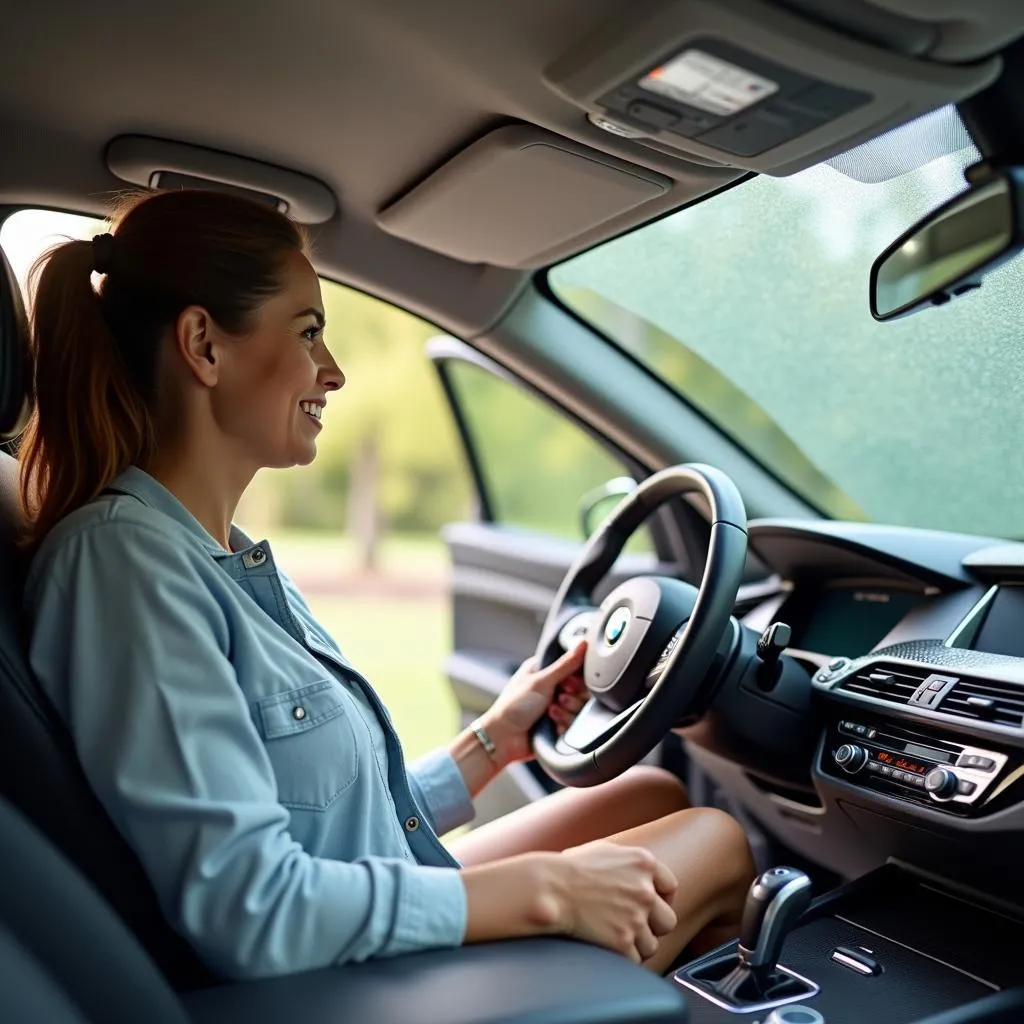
{"x": 55, "y": 924}
{"x": 39, "y": 772}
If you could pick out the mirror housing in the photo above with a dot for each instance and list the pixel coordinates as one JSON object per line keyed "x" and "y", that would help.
{"x": 597, "y": 499}
{"x": 949, "y": 251}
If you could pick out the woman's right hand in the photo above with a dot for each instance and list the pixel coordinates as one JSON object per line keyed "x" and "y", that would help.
{"x": 618, "y": 897}
{"x": 610, "y": 895}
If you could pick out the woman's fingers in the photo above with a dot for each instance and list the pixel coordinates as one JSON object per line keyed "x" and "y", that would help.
{"x": 646, "y": 943}
{"x": 663, "y": 918}
{"x": 571, "y": 702}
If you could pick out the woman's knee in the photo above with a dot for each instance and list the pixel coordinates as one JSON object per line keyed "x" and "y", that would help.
{"x": 724, "y": 837}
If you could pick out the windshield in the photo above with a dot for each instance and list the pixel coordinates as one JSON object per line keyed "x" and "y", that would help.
{"x": 753, "y": 304}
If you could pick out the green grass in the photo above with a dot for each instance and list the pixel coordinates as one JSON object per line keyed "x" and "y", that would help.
{"x": 400, "y": 646}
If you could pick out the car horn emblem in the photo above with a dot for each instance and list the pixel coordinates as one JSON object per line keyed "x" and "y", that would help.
{"x": 616, "y": 626}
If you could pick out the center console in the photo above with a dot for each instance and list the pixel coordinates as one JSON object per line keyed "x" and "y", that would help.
{"x": 894, "y": 947}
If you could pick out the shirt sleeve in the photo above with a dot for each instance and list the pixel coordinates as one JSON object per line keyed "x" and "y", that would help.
{"x": 441, "y": 791}
{"x": 131, "y": 643}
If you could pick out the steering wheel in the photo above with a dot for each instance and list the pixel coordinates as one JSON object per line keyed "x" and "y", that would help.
{"x": 655, "y": 644}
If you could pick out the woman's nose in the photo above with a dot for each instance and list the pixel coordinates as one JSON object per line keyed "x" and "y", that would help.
{"x": 331, "y": 377}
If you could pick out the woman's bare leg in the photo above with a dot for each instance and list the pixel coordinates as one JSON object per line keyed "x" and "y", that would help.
{"x": 572, "y": 817}
{"x": 705, "y": 848}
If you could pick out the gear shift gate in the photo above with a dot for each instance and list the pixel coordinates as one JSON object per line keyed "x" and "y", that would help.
{"x": 748, "y": 977}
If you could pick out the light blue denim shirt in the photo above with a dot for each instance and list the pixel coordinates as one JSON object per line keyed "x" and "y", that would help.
{"x": 253, "y": 770}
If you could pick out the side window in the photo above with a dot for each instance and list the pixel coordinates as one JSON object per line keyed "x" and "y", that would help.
{"x": 535, "y": 464}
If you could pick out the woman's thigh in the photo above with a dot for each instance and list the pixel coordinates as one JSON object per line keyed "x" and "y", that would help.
{"x": 572, "y": 817}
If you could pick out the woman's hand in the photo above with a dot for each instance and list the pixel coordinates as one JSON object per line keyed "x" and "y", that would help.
{"x": 614, "y": 896}
{"x": 619, "y": 897}
{"x": 558, "y": 691}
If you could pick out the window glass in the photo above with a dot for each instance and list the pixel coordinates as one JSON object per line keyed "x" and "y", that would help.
{"x": 536, "y": 463}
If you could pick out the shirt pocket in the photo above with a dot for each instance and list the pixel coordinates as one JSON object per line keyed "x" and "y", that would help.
{"x": 311, "y": 743}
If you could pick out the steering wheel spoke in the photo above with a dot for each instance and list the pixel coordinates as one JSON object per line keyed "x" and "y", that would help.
{"x": 592, "y": 726}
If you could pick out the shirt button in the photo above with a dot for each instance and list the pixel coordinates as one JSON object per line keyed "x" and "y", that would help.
{"x": 255, "y": 557}
{"x": 299, "y": 713}
{"x": 412, "y": 823}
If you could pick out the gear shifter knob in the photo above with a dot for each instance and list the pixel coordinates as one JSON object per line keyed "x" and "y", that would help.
{"x": 775, "y": 901}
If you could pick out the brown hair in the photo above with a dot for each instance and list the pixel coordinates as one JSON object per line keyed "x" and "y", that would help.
{"x": 95, "y": 350}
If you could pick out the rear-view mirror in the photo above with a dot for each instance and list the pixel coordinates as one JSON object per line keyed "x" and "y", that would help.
{"x": 948, "y": 252}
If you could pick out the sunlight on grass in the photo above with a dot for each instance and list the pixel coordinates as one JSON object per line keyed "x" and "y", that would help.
{"x": 411, "y": 556}
{"x": 400, "y": 646}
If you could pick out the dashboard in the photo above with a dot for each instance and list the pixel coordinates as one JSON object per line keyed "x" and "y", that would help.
{"x": 914, "y": 644}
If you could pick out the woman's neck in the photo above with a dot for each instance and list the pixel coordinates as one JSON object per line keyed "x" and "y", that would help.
{"x": 209, "y": 487}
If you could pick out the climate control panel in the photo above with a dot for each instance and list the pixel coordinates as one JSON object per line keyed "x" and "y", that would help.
{"x": 909, "y": 763}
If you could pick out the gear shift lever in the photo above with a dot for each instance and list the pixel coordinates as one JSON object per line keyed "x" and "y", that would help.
{"x": 749, "y": 978}
{"x": 775, "y": 901}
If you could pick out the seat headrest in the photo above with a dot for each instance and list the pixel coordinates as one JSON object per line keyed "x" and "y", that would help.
{"x": 15, "y": 362}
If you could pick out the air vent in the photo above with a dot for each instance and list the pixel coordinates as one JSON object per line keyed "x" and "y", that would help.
{"x": 998, "y": 703}
{"x": 884, "y": 682}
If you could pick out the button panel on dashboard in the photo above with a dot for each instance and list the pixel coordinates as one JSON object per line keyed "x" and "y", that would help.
{"x": 911, "y": 763}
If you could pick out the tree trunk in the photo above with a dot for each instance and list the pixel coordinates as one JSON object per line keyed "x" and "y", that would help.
{"x": 364, "y": 519}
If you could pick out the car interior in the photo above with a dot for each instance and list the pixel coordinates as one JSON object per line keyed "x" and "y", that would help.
{"x": 824, "y": 632}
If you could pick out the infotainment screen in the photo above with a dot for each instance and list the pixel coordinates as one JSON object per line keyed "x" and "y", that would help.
{"x": 1002, "y": 631}
{"x": 850, "y": 621}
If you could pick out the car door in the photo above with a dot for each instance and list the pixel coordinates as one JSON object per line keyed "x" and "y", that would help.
{"x": 542, "y": 481}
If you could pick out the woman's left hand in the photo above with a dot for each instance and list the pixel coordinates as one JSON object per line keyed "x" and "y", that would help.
{"x": 558, "y": 691}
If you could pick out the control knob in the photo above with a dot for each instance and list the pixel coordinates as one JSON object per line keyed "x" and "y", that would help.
{"x": 941, "y": 783}
{"x": 851, "y": 758}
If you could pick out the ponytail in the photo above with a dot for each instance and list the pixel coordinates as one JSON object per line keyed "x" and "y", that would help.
{"x": 90, "y": 421}
{"x": 96, "y": 352}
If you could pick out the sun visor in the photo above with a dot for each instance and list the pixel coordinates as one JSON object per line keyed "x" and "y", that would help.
{"x": 518, "y": 197}
{"x": 749, "y": 84}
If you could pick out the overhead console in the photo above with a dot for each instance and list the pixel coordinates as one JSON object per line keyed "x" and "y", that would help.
{"x": 747, "y": 84}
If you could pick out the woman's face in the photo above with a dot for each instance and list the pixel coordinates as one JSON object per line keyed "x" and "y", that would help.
{"x": 273, "y": 383}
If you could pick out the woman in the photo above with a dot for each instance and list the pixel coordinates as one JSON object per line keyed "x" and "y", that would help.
{"x": 249, "y": 765}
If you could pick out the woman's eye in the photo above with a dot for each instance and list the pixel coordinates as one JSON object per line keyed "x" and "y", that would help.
{"x": 312, "y": 332}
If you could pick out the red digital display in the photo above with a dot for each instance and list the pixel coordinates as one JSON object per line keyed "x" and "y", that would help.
{"x": 902, "y": 763}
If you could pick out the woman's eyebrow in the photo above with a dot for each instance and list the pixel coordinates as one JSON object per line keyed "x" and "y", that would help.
{"x": 314, "y": 312}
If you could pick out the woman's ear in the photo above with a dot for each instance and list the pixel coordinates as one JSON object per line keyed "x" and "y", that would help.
{"x": 195, "y": 336}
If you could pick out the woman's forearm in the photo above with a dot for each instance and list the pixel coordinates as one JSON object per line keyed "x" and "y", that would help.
{"x": 514, "y": 898}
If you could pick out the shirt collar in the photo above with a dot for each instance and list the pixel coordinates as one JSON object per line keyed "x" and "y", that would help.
{"x": 147, "y": 489}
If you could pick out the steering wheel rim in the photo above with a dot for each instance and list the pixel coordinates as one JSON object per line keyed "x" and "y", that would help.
{"x": 679, "y": 689}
